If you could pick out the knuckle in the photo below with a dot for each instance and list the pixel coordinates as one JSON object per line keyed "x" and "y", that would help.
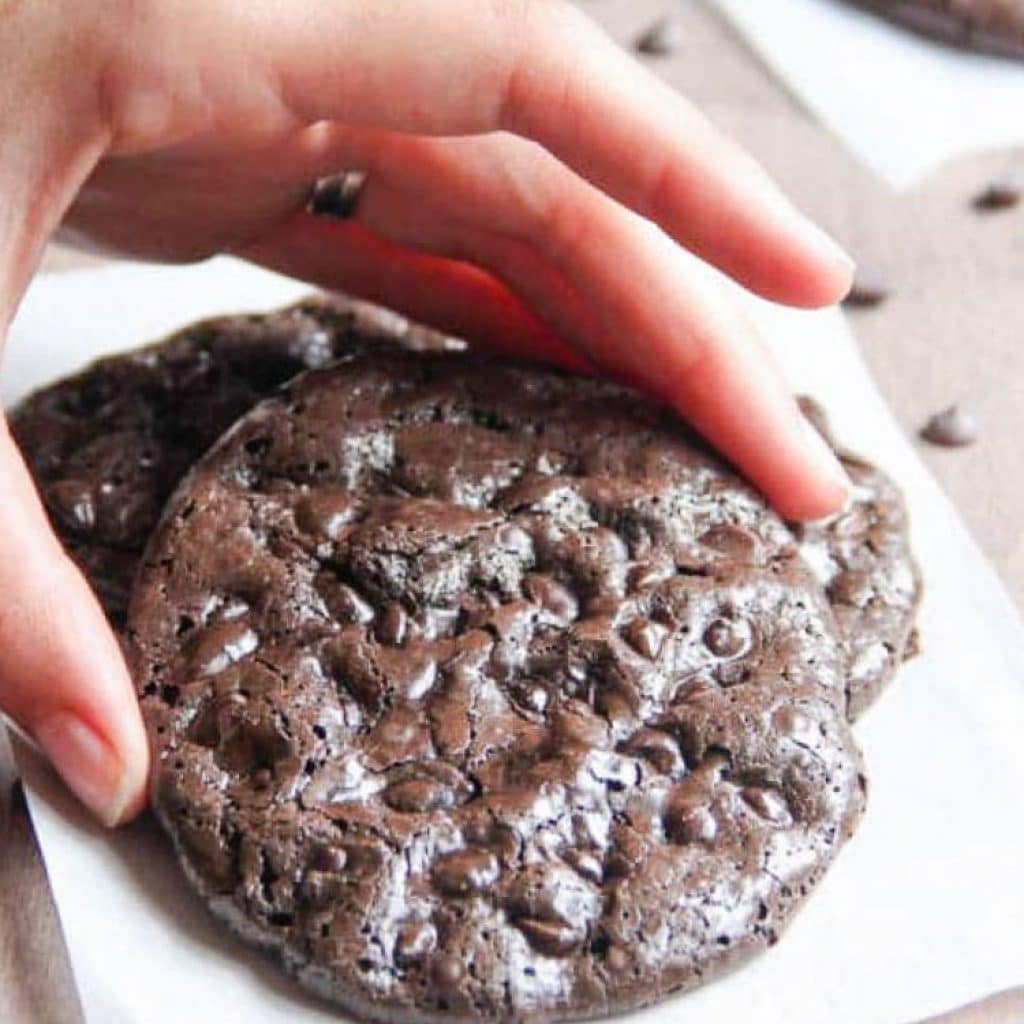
{"x": 563, "y": 228}
{"x": 541, "y": 69}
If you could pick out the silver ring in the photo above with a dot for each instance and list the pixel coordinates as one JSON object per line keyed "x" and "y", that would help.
{"x": 336, "y": 195}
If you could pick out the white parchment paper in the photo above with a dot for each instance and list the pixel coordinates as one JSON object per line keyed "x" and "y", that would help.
{"x": 904, "y": 104}
{"x": 924, "y": 910}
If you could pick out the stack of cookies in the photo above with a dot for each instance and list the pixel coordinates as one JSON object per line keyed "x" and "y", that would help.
{"x": 477, "y": 691}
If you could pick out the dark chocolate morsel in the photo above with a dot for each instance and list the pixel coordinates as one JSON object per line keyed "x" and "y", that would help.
{"x": 952, "y": 428}
{"x": 1002, "y": 194}
{"x": 662, "y": 39}
{"x": 870, "y": 288}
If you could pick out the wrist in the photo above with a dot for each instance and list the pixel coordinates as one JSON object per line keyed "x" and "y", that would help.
{"x": 52, "y": 132}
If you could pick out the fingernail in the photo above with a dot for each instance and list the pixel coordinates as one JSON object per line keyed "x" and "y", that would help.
{"x": 793, "y": 220}
{"x": 826, "y": 462}
{"x": 337, "y": 196}
{"x": 827, "y": 248}
{"x": 87, "y": 764}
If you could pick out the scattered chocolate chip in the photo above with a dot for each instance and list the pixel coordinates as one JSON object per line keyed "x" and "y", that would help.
{"x": 1001, "y": 194}
{"x": 870, "y": 288}
{"x": 663, "y": 38}
{"x": 951, "y": 428}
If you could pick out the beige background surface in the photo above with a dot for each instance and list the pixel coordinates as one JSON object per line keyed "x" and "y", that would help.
{"x": 951, "y": 331}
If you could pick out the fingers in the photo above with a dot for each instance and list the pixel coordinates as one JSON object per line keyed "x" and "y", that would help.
{"x": 682, "y": 338}
{"x": 614, "y": 287}
{"x": 678, "y": 336}
{"x": 543, "y": 70}
{"x": 62, "y": 676}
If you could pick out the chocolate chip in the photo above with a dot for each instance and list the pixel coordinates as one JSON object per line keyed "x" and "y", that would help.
{"x": 318, "y": 888}
{"x": 729, "y": 638}
{"x": 952, "y": 428}
{"x": 658, "y": 748}
{"x": 552, "y": 938}
{"x": 1001, "y": 194}
{"x": 530, "y": 695}
{"x": 852, "y": 588}
{"x": 551, "y": 595}
{"x": 466, "y": 872}
{"x": 768, "y": 804}
{"x": 329, "y": 859}
{"x": 586, "y": 864}
{"x": 448, "y": 972}
{"x": 414, "y": 942}
{"x": 648, "y": 574}
{"x": 732, "y": 541}
{"x": 663, "y": 38}
{"x": 870, "y": 288}
{"x": 627, "y": 854}
{"x": 416, "y": 796}
{"x": 221, "y": 646}
{"x": 363, "y": 856}
{"x": 393, "y": 626}
{"x": 690, "y": 823}
{"x": 646, "y": 637}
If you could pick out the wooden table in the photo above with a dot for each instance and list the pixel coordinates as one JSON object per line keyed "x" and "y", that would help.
{"x": 949, "y": 332}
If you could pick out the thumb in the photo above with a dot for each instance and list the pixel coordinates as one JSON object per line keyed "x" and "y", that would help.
{"x": 62, "y": 676}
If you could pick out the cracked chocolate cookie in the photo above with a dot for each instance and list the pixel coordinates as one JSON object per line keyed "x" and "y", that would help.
{"x": 108, "y": 445}
{"x": 993, "y": 26}
{"x": 863, "y": 559}
{"x": 487, "y": 693}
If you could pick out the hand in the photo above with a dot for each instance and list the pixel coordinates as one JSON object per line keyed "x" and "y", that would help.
{"x": 512, "y": 154}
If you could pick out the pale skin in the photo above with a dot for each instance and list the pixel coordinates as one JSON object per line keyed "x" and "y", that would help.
{"x": 513, "y": 153}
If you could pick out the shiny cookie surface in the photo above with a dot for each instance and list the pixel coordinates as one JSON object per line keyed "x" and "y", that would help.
{"x": 488, "y": 693}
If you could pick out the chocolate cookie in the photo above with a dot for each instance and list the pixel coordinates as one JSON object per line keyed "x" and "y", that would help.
{"x": 486, "y": 693}
{"x": 862, "y": 558}
{"x": 993, "y": 26}
{"x": 108, "y": 445}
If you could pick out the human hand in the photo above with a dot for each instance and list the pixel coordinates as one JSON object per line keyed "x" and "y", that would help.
{"x": 512, "y": 153}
